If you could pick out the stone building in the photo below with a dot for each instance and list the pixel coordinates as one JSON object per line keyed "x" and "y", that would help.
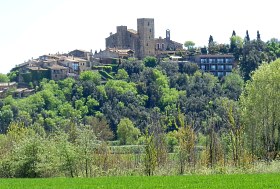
{"x": 87, "y": 55}
{"x": 58, "y": 72}
{"x": 142, "y": 42}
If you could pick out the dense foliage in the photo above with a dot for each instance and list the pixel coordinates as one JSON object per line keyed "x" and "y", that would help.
{"x": 171, "y": 113}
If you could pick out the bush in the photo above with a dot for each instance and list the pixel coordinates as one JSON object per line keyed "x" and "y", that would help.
{"x": 127, "y": 133}
{"x": 105, "y": 74}
{"x": 150, "y": 61}
{"x": 127, "y": 149}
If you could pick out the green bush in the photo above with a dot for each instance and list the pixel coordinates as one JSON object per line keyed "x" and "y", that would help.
{"x": 105, "y": 74}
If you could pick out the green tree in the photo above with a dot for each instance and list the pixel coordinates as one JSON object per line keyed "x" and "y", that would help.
{"x": 150, "y": 61}
{"x": 254, "y": 53}
{"x": 4, "y": 78}
{"x": 68, "y": 155}
{"x": 28, "y": 156}
{"x": 13, "y": 75}
{"x": 273, "y": 49}
{"x": 86, "y": 145}
{"x": 233, "y": 85}
{"x": 122, "y": 74}
{"x": 234, "y": 128}
{"x": 261, "y": 112}
{"x": 213, "y": 48}
{"x": 186, "y": 137}
{"x": 6, "y": 117}
{"x": 95, "y": 77}
{"x": 189, "y": 44}
{"x": 127, "y": 133}
{"x": 121, "y": 87}
{"x": 100, "y": 128}
{"x": 236, "y": 45}
{"x": 150, "y": 158}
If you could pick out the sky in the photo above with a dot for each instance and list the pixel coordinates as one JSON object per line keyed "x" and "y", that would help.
{"x": 30, "y": 28}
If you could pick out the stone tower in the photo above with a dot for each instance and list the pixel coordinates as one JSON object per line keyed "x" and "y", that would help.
{"x": 121, "y": 37}
{"x": 146, "y": 32}
{"x": 168, "y": 35}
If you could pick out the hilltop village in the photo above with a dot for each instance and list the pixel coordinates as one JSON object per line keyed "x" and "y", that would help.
{"x": 145, "y": 105}
{"x": 122, "y": 45}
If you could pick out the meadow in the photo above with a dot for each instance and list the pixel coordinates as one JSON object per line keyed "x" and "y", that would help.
{"x": 247, "y": 181}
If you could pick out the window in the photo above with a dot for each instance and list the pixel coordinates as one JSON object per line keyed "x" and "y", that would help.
{"x": 220, "y": 67}
{"x": 158, "y": 46}
{"x": 203, "y": 60}
{"x": 148, "y": 23}
{"x": 162, "y": 46}
{"x": 228, "y": 60}
{"x": 151, "y": 30}
{"x": 213, "y": 67}
{"x": 88, "y": 64}
{"x": 211, "y": 60}
{"x": 75, "y": 66}
{"x": 220, "y": 60}
{"x": 227, "y": 73}
{"x": 147, "y": 44}
{"x": 202, "y": 67}
{"x": 228, "y": 67}
{"x": 220, "y": 74}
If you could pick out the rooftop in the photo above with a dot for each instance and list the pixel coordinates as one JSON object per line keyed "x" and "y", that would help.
{"x": 75, "y": 59}
{"x": 35, "y": 68}
{"x": 57, "y": 67}
{"x": 132, "y": 31}
{"x": 7, "y": 84}
{"x": 215, "y": 56}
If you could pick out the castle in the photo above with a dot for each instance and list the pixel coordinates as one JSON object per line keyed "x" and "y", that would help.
{"x": 142, "y": 41}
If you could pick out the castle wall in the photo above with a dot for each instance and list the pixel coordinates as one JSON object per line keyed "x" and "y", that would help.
{"x": 123, "y": 39}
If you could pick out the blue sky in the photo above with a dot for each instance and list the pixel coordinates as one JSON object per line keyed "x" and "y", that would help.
{"x": 30, "y": 28}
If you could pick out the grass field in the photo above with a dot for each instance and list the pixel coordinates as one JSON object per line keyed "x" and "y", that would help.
{"x": 194, "y": 181}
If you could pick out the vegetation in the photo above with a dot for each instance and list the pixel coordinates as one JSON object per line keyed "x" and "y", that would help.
{"x": 148, "y": 117}
{"x": 259, "y": 181}
{"x": 4, "y": 78}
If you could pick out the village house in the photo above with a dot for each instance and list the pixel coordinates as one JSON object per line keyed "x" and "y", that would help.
{"x": 76, "y": 65}
{"x": 5, "y": 87}
{"x": 87, "y": 55}
{"x": 23, "y": 92}
{"x": 58, "y": 72}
